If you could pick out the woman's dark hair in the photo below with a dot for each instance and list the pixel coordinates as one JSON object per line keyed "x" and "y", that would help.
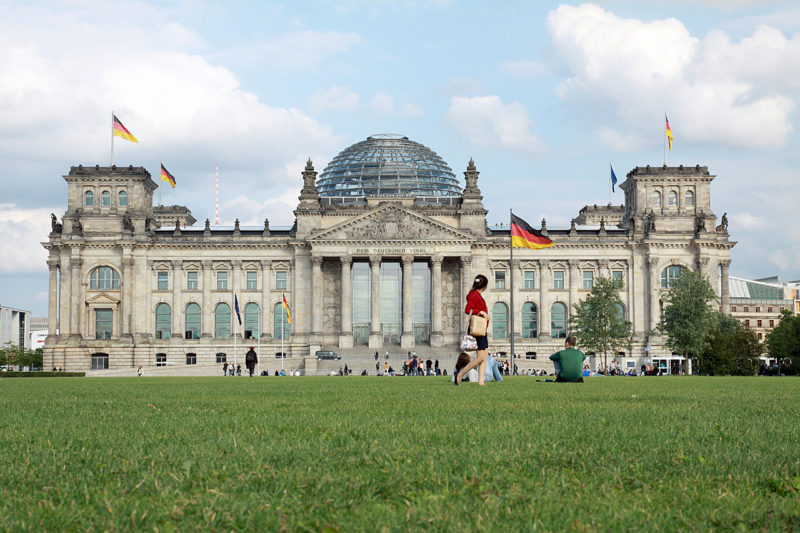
{"x": 462, "y": 361}
{"x": 480, "y": 282}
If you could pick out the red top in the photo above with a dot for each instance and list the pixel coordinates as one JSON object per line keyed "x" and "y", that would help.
{"x": 475, "y": 303}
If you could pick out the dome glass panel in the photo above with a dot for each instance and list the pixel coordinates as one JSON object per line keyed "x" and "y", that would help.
{"x": 387, "y": 165}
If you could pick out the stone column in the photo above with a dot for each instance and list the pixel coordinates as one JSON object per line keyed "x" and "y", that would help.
{"x": 654, "y": 291}
{"x": 516, "y": 275}
{"x": 265, "y": 324}
{"x": 207, "y": 309}
{"x": 177, "y": 308}
{"x": 466, "y": 279}
{"x": 702, "y": 267}
{"x": 75, "y": 264}
{"x": 316, "y": 300}
{"x": 407, "y": 338}
{"x": 236, "y": 273}
{"x": 126, "y": 307}
{"x": 724, "y": 286}
{"x": 346, "y": 333}
{"x": 64, "y": 299}
{"x": 574, "y": 284}
{"x": 545, "y": 282}
{"x": 52, "y": 309}
{"x": 437, "y": 335}
{"x": 375, "y": 335}
{"x": 605, "y": 272}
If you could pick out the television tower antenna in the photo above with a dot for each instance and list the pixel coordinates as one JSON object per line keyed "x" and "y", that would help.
{"x": 216, "y": 200}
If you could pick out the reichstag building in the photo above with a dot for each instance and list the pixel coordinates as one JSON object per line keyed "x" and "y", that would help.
{"x": 386, "y": 243}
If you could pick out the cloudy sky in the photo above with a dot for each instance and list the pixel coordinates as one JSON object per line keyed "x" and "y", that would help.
{"x": 542, "y": 95}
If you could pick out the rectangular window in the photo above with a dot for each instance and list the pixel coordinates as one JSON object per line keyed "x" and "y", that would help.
{"x": 772, "y": 323}
{"x": 758, "y": 309}
{"x": 161, "y": 359}
{"x": 746, "y": 309}
{"x": 747, "y": 322}
{"x": 733, "y": 309}
{"x": 222, "y": 281}
{"x": 528, "y": 279}
{"x": 588, "y": 279}
{"x": 280, "y": 280}
{"x": 759, "y": 323}
{"x": 252, "y": 280}
{"x": 103, "y": 323}
{"x": 500, "y": 280}
{"x": 221, "y": 357}
{"x": 769, "y": 309}
{"x": 163, "y": 281}
{"x": 99, "y": 361}
{"x": 191, "y": 281}
{"x": 618, "y": 275}
{"x": 191, "y": 358}
{"x": 558, "y": 279}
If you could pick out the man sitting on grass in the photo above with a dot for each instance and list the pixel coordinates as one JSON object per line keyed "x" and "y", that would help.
{"x": 568, "y": 362}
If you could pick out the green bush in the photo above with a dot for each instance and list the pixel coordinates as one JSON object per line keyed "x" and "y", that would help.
{"x": 15, "y": 374}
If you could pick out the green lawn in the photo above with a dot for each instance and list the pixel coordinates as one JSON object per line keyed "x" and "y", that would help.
{"x": 394, "y": 454}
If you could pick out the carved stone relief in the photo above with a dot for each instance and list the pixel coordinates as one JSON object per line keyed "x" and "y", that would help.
{"x": 451, "y": 295}
{"x": 331, "y": 296}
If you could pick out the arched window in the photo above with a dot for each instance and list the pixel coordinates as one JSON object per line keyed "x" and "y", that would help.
{"x": 106, "y": 198}
{"x": 192, "y": 329}
{"x": 673, "y": 199}
{"x": 669, "y": 275}
{"x": 280, "y": 327}
{"x": 88, "y": 199}
{"x": 688, "y": 198}
{"x": 621, "y": 313}
{"x": 163, "y": 321}
{"x": 655, "y": 198}
{"x": 558, "y": 320}
{"x": 529, "y": 321}
{"x": 499, "y": 321}
{"x": 251, "y": 321}
{"x": 222, "y": 321}
{"x": 104, "y": 278}
{"x": 123, "y": 199}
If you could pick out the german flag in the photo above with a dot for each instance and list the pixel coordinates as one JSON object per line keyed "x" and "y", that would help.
{"x": 524, "y": 236}
{"x": 122, "y": 131}
{"x": 286, "y": 306}
{"x": 669, "y": 132}
{"x": 166, "y": 176}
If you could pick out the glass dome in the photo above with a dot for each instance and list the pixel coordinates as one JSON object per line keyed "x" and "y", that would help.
{"x": 387, "y": 165}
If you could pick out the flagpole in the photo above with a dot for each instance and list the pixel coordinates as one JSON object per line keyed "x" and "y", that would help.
{"x": 665, "y": 139}
{"x": 234, "y": 332}
{"x": 112, "y": 137}
{"x": 610, "y": 183}
{"x": 511, "y": 285}
{"x": 258, "y": 340}
{"x": 283, "y": 319}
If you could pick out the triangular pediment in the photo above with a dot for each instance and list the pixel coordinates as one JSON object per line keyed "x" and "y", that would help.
{"x": 392, "y": 223}
{"x": 103, "y": 299}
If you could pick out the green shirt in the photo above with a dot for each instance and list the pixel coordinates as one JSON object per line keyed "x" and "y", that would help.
{"x": 571, "y": 363}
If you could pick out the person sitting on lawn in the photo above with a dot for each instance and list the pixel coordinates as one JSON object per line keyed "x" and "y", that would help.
{"x": 569, "y": 362}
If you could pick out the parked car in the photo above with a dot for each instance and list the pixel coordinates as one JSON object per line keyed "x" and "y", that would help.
{"x": 327, "y": 354}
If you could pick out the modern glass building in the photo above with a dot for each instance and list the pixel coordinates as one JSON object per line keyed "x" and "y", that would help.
{"x": 387, "y": 165}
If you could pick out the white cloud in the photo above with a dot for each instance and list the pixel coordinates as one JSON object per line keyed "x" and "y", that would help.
{"x": 746, "y": 221}
{"x": 21, "y": 232}
{"x": 382, "y": 103}
{"x": 337, "y": 98}
{"x": 714, "y": 90}
{"x": 487, "y": 121}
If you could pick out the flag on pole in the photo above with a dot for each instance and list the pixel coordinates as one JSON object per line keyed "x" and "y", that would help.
{"x": 669, "y": 132}
{"x": 166, "y": 176}
{"x": 524, "y": 236}
{"x": 286, "y": 306}
{"x": 236, "y": 306}
{"x": 122, "y": 131}
{"x": 613, "y": 177}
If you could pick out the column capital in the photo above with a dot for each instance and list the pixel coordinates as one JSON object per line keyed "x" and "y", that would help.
{"x": 437, "y": 259}
{"x": 127, "y": 262}
{"x": 177, "y": 264}
{"x": 466, "y": 261}
{"x": 77, "y": 262}
{"x": 652, "y": 262}
{"x": 407, "y": 259}
{"x": 316, "y": 260}
{"x": 544, "y": 264}
{"x": 266, "y": 263}
{"x": 725, "y": 263}
{"x": 346, "y": 259}
{"x": 516, "y": 263}
{"x": 375, "y": 260}
{"x": 237, "y": 263}
{"x": 208, "y": 264}
{"x": 52, "y": 264}
{"x": 603, "y": 263}
{"x": 574, "y": 264}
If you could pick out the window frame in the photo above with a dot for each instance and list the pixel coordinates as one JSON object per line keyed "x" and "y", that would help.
{"x": 222, "y": 330}
{"x": 672, "y": 199}
{"x": 655, "y": 198}
{"x": 189, "y": 275}
{"x": 529, "y": 282}
{"x": 557, "y": 279}
{"x": 222, "y": 280}
{"x": 105, "y": 198}
{"x": 122, "y": 198}
{"x": 188, "y": 313}
{"x": 88, "y": 199}
{"x": 587, "y": 284}
{"x": 500, "y": 321}
{"x": 500, "y": 280}
{"x": 281, "y": 279}
{"x": 251, "y": 284}
{"x": 108, "y": 323}
{"x": 163, "y": 322}
{"x": 162, "y": 280}
{"x": 528, "y": 309}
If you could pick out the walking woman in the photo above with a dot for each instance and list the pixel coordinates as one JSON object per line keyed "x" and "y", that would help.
{"x": 477, "y": 306}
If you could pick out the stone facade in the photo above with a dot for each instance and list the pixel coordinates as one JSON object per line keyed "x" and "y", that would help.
{"x": 116, "y": 269}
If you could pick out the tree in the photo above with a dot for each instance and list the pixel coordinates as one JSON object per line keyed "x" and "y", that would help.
{"x": 783, "y": 342}
{"x": 733, "y": 349}
{"x": 597, "y": 321}
{"x": 20, "y": 356}
{"x": 689, "y": 314}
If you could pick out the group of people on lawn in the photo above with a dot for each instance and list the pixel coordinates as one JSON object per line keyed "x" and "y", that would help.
{"x": 568, "y": 362}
